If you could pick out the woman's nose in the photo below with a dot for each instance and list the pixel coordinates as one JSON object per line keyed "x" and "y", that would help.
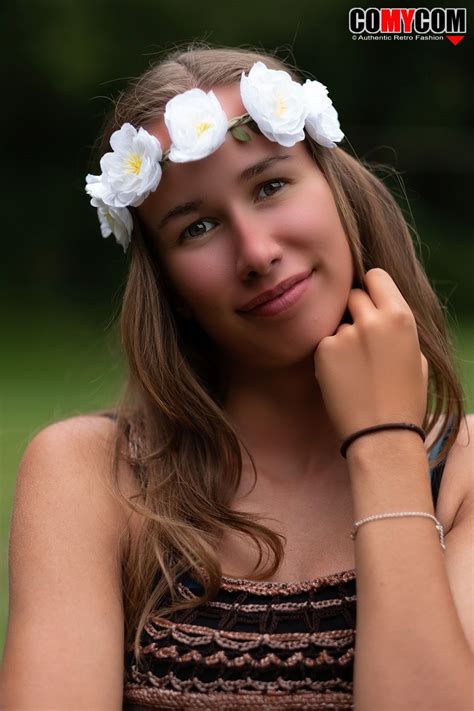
{"x": 255, "y": 243}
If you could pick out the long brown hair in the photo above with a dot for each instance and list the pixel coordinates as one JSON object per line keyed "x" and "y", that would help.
{"x": 184, "y": 452}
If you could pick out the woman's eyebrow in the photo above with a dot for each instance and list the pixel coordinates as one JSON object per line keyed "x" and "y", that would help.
{"x": 259, "y": 167}
{"x": 184, "y": 209}
{"x": 188, "y": 207}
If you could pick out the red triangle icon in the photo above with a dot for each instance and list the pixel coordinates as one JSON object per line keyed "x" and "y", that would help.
{"x": 455, "y": 39}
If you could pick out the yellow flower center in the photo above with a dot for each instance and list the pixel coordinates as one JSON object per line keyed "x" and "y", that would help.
{"x": 203, "y": 127}
{"x": 281, "y": 108}
{"x": 134, "y": 163}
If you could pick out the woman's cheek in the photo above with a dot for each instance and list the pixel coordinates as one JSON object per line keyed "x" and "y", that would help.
{"x": 199, "y": 283}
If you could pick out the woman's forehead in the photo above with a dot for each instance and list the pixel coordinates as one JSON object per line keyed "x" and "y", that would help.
{"x": 182, "y": 182}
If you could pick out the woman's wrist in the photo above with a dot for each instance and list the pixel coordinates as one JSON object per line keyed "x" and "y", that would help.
{"x": 383, "y": 444}
{"x": 389, "y": 473}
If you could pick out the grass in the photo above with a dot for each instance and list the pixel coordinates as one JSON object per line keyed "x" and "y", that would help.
{"x": 62, "y": 363}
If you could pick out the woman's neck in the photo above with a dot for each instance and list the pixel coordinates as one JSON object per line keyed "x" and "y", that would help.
{"x": 281, "y": 418}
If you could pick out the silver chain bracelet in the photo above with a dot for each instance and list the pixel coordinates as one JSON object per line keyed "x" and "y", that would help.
{"x": 395, "y": 515}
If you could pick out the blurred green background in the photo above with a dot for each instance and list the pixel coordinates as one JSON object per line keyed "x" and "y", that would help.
{"x": 408, "y": 104}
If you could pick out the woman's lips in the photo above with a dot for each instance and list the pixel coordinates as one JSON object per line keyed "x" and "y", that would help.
{"x": 282, "y": 302}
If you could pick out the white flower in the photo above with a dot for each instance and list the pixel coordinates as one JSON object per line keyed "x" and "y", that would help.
{"x": 322, "y": 122}
{"x": 113, "y": 220}
{"x": 197, "y": 125}
{"x": 132, "y": 171}
{"x": 275, "y": 102}
{"x": 94, "y": 186}
{"x": 117, "y": 221}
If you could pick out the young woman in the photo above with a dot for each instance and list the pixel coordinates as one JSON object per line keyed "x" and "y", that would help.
{"x": 271, "y": 536}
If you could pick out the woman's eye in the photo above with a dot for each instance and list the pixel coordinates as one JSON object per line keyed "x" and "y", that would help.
{"x": 272, "y": 186}
{"x": 195, "y": 230}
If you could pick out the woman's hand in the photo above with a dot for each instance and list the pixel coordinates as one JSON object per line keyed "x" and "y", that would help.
{"x": 372, "y": 371}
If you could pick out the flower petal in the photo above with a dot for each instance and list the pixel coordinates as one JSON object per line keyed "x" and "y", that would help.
{"x": 275, "y": 102}
{"x": 196, "y": 123}
{"x": 322, "y": 122}
{"x": 116, "y": 221}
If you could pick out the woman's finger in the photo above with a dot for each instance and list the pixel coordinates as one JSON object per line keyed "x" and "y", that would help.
{"x": 360, "y": 305}
{"x": 424, "y": 368}
{"x": 342, "y": 327}
{"x": 383, "y": 291}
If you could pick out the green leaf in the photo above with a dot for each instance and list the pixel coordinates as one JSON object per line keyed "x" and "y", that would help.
{"x": 240, "y": 134}
{"x": 253, "y": 126}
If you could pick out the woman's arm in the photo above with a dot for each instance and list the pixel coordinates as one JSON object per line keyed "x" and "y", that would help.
{"x": 64, "y": 647}
{"x": 412, "y": 651}
{"x": 411, "y": 648}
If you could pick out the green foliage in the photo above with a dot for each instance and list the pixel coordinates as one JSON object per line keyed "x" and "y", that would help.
{"x": 240, "y": 134}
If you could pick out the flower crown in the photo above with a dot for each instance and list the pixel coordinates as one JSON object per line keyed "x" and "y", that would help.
{"x": 278, "y": 107}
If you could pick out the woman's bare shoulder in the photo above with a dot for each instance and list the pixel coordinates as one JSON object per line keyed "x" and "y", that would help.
{"x": 64, "y": 572}
{"x": 457, "y": 481}
{"x": 89, "y": 435}
{"x": 82, "y": 445}
{"x": 91, "y": 427}
{"x": 76, "y": 430}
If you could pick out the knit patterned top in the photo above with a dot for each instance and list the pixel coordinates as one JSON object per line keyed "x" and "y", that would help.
{"x": 257, "y": 645}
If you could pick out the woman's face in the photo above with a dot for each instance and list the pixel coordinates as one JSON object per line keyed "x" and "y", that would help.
{"x": 247, "y": 231}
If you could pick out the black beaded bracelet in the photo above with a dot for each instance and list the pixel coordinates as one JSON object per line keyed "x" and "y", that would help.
{"x": 377, "y": 428}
